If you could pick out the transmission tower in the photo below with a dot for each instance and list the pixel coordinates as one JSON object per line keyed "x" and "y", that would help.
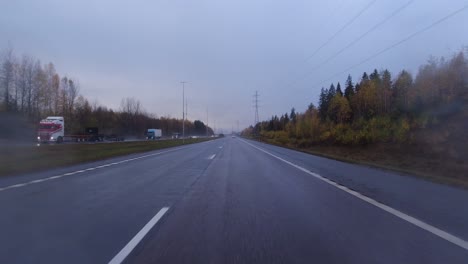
{"x": 256, "y": 95}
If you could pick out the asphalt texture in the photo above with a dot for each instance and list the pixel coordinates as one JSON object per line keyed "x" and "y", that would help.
{"x": 229, "y": 202}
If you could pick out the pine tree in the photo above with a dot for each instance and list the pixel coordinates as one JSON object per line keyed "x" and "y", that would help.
{"x": 357, "y": 88}
{"x": 332, "y": 90}
{"x": 375, "y": 76}
{"x": 349, "y": 90}
{"x": 311, "y": 107}
{"x": 386, "y": 87}
{"x": 331, "y": 93}
{"x": 364, "y": 78}
{"x": 338, "y": 89}
{"x": 293, "y": 115}
{"x": 323, "y": 104}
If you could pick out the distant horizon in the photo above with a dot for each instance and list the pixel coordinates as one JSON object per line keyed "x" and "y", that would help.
{"x": 227, "y": 51}
{"x": 233, "y": 128}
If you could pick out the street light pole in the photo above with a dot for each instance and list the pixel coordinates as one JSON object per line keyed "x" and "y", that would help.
{"x": 183, "y": 112}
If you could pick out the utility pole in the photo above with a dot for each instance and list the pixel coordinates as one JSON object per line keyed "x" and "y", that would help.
{"x": 238, "y": 126}
{"x": 256, "y": 95}
{"x": 186, "y": 114}
{"x": 183, "y": 111}
{"x": 206, "y": 127}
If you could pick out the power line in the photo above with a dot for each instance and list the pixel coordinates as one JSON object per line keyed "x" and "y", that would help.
{"x": 336, "y": 10}
{"x": 394, "y": 13}
{"x": 399, "y": 42}
{"x": 347, "y": 24}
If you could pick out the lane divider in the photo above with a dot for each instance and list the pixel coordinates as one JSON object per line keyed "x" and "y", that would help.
{"x": 419, "y": 223}
{"x": 123, "y": 254}
{"x": 84, "y": 170}
{"x": 212, "y": 156}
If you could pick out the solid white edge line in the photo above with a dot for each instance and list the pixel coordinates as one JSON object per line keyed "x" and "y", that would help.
{"x": 38, "y": 181}
{"x": 84, "y": 170}
{"x": 120, "y": 257}
{"x": 90, "y": 169}
{"x": 18, "y": 185}
{"x": 421, "y": 224}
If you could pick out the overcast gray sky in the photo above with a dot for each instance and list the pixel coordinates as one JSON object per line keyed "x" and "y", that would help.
{"x": 225, "y": 50}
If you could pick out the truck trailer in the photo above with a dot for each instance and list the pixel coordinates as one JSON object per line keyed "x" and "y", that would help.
{"x": 52, "y": 130}
{"x": 153, "y": 134}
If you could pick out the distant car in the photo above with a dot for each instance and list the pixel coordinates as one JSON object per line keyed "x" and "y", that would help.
{"x": 233, "y": 136}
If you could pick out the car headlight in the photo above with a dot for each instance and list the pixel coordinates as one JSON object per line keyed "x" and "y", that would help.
{"x": 51, "y": 137}
{"x": 38, "y": 138}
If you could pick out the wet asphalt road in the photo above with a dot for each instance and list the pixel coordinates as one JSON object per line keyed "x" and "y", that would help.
{"x": 230, "y": 201}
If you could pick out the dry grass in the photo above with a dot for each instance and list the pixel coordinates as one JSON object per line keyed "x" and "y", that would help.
{"x": 21, "y": 159}
{"x": 410, "y": 159}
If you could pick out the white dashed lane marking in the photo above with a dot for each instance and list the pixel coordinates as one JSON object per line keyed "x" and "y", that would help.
{"x": 81, "y": 171}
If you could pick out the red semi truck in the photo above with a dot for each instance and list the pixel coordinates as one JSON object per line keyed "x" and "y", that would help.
{"x": 52, "y": 130}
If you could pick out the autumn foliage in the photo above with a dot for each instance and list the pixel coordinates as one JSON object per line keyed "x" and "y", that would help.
{"x": 378, "y": 108}
{"x": 31, "y": 90}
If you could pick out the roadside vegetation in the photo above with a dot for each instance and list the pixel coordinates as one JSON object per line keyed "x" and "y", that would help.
{"x": 31, "y": 91}
{"x": 414, "y": 123}
{"x": 23, "y": 159}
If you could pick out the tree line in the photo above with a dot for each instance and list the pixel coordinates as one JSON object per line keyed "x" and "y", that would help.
{"x": 379, "y": 107}
{"x": 34, "y": 90}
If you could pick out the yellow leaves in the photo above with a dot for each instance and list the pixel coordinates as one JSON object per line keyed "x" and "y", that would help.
{"x": 325, "y": 136}
{"x": 402, "y": 130}
{"x": 339, "y": 109}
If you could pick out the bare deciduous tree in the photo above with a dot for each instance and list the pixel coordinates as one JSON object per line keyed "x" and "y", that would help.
{"x": 7, "y": 76}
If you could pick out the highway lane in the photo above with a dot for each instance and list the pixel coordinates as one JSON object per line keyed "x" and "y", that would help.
{"x": 249, "y": 207}
{"x": 88, "y": 217}
{"x": 437, "y": 204}
{"x": 230, "y": 201}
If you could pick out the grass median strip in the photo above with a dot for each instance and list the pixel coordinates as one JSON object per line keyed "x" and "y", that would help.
{"x": 15, "y": 160}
